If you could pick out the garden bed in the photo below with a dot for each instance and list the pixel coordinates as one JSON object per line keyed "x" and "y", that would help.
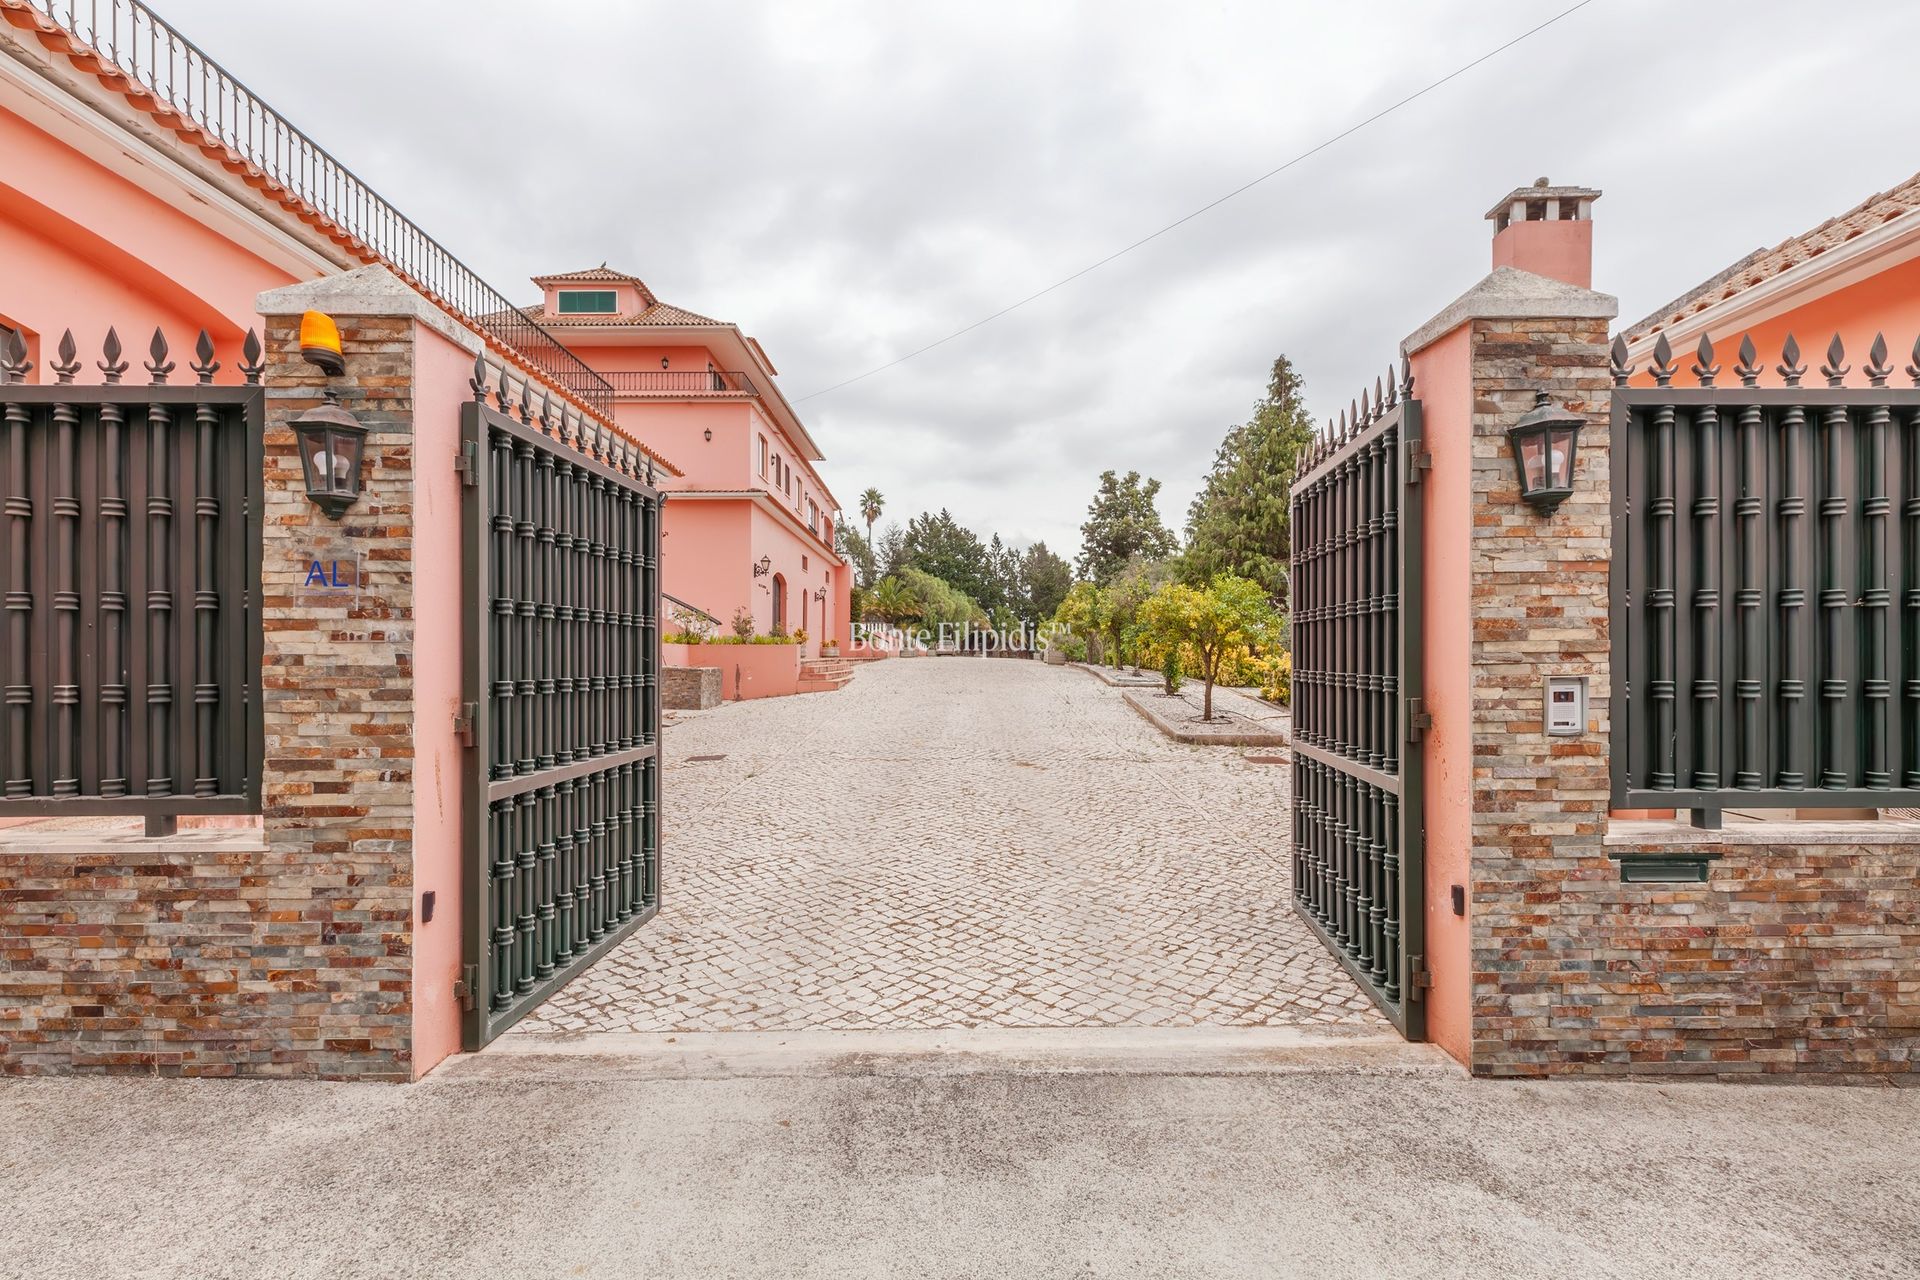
{"x": 1239, "y": 720}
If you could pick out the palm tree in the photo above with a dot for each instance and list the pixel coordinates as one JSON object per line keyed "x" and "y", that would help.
{"x": 871, "y": 505}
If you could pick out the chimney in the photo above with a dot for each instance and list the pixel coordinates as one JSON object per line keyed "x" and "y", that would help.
{"x": 1547, "y": 230}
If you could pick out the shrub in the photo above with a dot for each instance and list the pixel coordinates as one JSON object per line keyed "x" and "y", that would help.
{"x": 742, "y": 622}
{"x": 1170, "y": 668}
{"x": 685, "y": 637}
{"x": 1276, "y": 680}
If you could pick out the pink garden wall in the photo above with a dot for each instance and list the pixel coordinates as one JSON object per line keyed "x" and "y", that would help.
{"x": 86, "y": 249}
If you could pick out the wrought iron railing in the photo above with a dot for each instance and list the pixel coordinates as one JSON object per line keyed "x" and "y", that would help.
{"x": 184, "y": 81}
{"x": 130, "y": 570}
{"x": 1766, "y": 585}
{"x": 677, "y": 382}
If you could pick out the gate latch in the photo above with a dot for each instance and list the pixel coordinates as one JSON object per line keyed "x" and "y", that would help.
{"x": 464, "y": 984}
{"x": 1418, "y": 719}
{"x": 463, "y": 722}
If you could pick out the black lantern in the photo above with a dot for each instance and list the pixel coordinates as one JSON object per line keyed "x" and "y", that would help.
{"x": 331, "y": 445}
{"x": 763, "y": 568}
{"x": 1544, "y": 444}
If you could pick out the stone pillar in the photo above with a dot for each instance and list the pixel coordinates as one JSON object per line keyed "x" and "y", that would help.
{"x": 1512, "y": 597}
{"x": 362, "y": 771}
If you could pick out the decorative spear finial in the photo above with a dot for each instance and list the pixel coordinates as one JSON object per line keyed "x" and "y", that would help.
{"x": 479, "y": 379}
{"x": 205, "y": 365}
{"x": 1406, "y": 378}
{"x": 1621, "y": 369}
{"x": 1748, "y": 370}
{"x": 68, "y": 363}
{"x": 113, "y": 366}
{"x": 1790, "y": 368}
{"x": 1703, "y": 366}
{"x": 1913, "y": 370}
{"x": 1877, "y": 367}
{"x": 251, "y": 364}
{"x": 1833, "y": 371}
{"x": 159, "y": 366}
{"x": 1662, "y": 368}
{"x": 13, "y": 358}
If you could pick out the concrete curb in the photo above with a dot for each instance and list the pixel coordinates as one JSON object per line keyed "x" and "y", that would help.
{"x": 1277, "y": 1050}
{"x": 1181, "y": 732}
{"x": 1106, "y": 675}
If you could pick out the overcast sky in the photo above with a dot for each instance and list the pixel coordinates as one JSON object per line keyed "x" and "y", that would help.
{"x": 851, "y": 181}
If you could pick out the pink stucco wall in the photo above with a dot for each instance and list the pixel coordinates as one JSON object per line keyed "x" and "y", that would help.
{"x": 1443, "y": 374}
{"x": 86, "y": 249}
{"x": 706, "y": 558}
{"x": 441, "y": 370}
{"x": 1561, "y": 249}
{"x": 746, "y": 670}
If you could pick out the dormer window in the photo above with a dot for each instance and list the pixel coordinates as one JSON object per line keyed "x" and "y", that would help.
{"x": 586, "y": 302}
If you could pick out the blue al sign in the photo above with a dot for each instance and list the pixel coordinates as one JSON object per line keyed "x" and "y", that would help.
{"x": 330, "y": 574}
{"x": 325, "y": 574}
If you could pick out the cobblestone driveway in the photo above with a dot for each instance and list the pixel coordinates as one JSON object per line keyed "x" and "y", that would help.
{"x": 956, "y": 842}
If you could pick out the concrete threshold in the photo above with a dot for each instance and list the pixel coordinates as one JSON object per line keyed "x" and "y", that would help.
{"x": 719, "y": 1055}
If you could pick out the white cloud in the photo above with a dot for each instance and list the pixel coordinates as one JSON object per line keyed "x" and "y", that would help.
{"x": 850, "y": 181}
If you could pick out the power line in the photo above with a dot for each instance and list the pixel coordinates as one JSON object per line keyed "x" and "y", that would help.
{"x": 1349, "y": 131}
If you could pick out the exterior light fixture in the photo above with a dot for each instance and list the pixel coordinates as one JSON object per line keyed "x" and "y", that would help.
{"x": 331, "y": 446}
{"x": 763, "y": 568}
{"x": 708, "y": 433}
{"x": 1545, "y": 443}
{"x": 331, "y": 440}
{"x": 663, "y": 362}
{"x": 819, "y": 593}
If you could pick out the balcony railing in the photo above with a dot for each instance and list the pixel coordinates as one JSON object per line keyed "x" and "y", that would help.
{"x": 676, "y": 383}
{"x": 183, "y": 80}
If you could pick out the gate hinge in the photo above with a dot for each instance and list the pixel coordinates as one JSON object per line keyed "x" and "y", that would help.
{"x": 463, "y": 722}
{"x": 467, "y": 463}
{"x": 1419, "y": 461}
{"x": 464, "y": 984}
{"x": 1421, "y": 977}
{"x": 1418, "y": 721}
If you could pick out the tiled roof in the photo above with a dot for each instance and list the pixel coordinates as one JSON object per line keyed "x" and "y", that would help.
{"x": 1764, "y": 264}
{"x": 601, "y": 272}
{"x": 659, "y": 313}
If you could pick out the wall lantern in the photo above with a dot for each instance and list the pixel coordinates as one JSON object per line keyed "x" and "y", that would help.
{"x": 332, "y": 442}
{"x": 709, "y": 435}
{"x": 819, "y": 593}
{"x": 763, "y": 568}
{"x": 663, "y": 362}
{"x": 1544, "y": 445}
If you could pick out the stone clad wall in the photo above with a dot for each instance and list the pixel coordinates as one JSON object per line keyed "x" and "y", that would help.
{"x": 1801, "y": 952}
{"x": 1539, "y": 606}
{"x": 284, "y": 951}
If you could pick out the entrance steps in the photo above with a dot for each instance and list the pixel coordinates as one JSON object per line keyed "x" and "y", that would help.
{"x": 818, "y": 675}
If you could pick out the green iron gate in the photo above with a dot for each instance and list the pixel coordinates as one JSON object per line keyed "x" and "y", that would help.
{"x": 561, "y": 532}
{"x": 1357, "y": 777}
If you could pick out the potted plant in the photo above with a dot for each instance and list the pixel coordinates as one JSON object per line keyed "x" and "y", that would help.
{"x": 830, "y": 648}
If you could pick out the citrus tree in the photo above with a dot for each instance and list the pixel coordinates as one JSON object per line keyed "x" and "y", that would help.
{"x": 1210, "y": 622}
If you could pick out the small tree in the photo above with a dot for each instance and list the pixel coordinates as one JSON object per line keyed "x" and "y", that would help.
{"x": 1211, "y": 622}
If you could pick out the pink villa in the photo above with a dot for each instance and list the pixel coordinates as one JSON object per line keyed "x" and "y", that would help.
{"x": 749, "y": 525}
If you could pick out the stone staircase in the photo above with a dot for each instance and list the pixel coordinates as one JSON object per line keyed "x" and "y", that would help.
{"x": 817, "y": 675}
